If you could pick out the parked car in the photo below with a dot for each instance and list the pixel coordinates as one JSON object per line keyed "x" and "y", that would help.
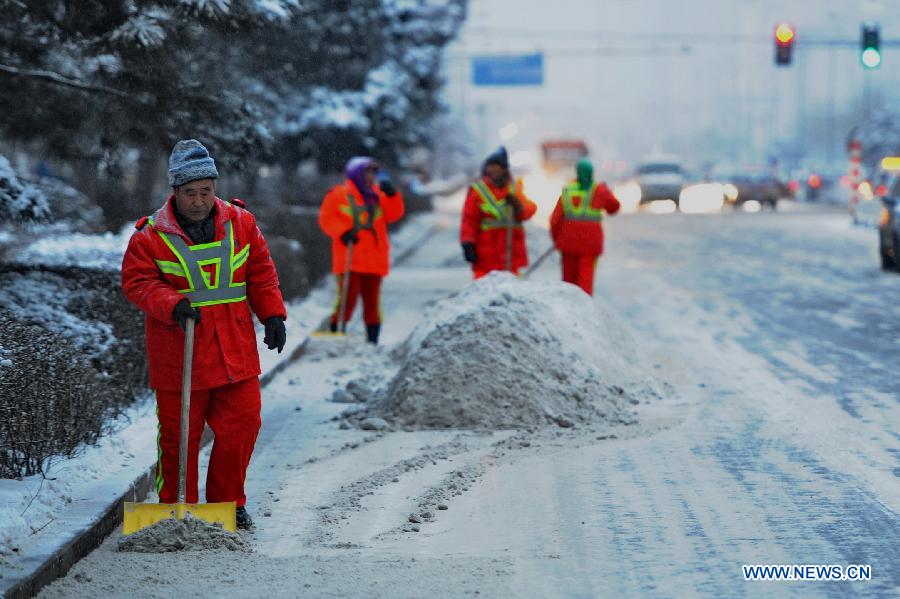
{"x": 762, "y": 187}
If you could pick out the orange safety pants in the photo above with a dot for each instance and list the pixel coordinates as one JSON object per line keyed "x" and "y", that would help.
{"x": 233, "y": 414}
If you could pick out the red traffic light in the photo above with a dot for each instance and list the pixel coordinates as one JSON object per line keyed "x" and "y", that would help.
{"x": 784, "y": 43}
{"x": 784, "y": 34}
{"x": 814, "y": 181}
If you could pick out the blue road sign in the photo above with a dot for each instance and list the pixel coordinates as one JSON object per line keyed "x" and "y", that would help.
{"x": 527, "y": 69}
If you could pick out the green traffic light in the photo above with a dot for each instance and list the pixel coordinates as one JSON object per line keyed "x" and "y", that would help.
{"x": 871, "y": 58}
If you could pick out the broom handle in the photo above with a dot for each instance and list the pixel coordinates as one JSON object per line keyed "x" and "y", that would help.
{"x": 509, "y": 238}
{"x": 185, "y": 409}
{"x": 345, "y": 289}
{"x": 538, "y": 262}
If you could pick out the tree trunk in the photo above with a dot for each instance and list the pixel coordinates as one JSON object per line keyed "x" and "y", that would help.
{"x": 149, "y": 191}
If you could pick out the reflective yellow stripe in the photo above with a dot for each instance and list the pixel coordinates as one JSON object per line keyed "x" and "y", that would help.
{"x": 205, "y": 274}
{"x": 221, "y": 254}
{"x": 585, "y": 210}
{"x": 500, "y": 211}
{"x": 240, "y": 258}
{"x": 159, "y": 453}
{"x": 489, "y": 224}
{"x": 223, "y": 301}
{"x": 171, "y": 268}
{"x": 355, "y": 212}
{"x": 184, "y": 267}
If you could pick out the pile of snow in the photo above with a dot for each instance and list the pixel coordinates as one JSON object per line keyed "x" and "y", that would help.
{"x": 189, "y": 534}
{"x": 506, "y": 353}
{"x": 27, "y": 506}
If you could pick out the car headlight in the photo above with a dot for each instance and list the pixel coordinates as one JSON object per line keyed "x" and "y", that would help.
{"x": 629, "y": 195}
{"x": 731, "y": 191}
{"x": 701, "y": 198}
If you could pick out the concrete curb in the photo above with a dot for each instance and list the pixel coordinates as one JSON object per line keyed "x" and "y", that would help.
{"x": 49, "y": 567}
{"x": 57, "y": 564}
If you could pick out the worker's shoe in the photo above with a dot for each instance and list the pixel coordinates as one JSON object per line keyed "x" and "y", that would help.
{"x": 243, "y": 518}
{"x": 332, "y": 327}
{"x": 372, "y": 332}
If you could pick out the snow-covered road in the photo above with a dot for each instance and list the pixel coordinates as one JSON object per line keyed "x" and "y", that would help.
{"x": 777, "y": 444}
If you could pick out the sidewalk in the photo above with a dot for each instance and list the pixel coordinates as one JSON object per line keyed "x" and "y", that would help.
{"x": 83, "y": 504}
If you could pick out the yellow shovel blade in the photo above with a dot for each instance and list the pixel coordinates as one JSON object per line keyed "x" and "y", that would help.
{"x": 328, "y": 334}
{"x": 142, "y": 515}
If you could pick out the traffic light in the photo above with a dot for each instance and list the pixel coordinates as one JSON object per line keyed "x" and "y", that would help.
{"x": 784, "y": 43}
{"x": 870, "y": 51}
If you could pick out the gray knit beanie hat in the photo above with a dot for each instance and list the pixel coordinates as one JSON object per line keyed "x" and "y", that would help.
{"x": 190, "y": 161}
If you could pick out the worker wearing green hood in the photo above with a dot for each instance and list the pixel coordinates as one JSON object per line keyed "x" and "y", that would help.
{"x": 576, "y": 225}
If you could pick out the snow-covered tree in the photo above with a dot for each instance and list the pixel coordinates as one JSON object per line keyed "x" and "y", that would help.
{"x": 273, "y": 80}
{"x": 356, "y": 77}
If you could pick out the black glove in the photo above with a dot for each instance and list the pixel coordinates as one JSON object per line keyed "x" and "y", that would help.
{"x": 276, "y": 335}
{"x": 515, "y": 202}
{"x": 388, "y": 188}
{"x": 469, "y": 252}
{"x": 384, "y": 182}
{"x": 348, "y": 236}
{"x": 182, "y": 311}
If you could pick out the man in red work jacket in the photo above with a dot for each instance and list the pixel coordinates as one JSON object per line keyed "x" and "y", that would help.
{"x": 203, "y": 258}
{"x": 492, "y": 235}
{"x": 576, "y": 225}
{"x": 358, "y": 211}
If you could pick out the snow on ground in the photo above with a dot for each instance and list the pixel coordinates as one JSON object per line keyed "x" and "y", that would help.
{"x": 65, "y": 248}
{"x": 37, "y": 514}
{"x": 324, "y": 498}
{"x": 97, "y": 473}
{"x": 744, "y": 460}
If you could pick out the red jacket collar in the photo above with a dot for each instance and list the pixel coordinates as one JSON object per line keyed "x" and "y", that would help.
{"x": 164, "y": 219}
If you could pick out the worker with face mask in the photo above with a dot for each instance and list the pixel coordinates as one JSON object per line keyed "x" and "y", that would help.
{"x": 492, "y": 235}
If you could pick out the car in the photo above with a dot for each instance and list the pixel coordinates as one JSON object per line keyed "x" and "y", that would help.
{"x": 660, "y": 177}
{"x": 763, "y": 188}
{"x": 889, "y": 227}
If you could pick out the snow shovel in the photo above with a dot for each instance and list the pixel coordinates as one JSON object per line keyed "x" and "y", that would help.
{"x": 142, "y": 515}
{"x": 538, "y": 262}
{"x": 342, "y": 300}
{"x": 509, "y": 237}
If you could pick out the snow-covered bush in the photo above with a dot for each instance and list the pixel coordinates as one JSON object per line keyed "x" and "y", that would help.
{"x": 50, "y": 398}
{"x": 60, "y": 381}
{"x": 19, "y": 201}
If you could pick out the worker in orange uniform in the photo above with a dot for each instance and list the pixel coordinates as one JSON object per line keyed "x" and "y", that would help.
{"x": 203, "y": 258}
{"x": 492, "y": 235}
{"x": 355, "y": 214}
{"x": 576, "y": 225}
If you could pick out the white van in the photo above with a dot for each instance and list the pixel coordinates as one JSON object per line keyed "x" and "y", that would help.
{"x": 660, "y": 177}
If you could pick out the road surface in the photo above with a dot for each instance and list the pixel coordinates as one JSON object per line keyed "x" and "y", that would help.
{"x": 777, "y": 442}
